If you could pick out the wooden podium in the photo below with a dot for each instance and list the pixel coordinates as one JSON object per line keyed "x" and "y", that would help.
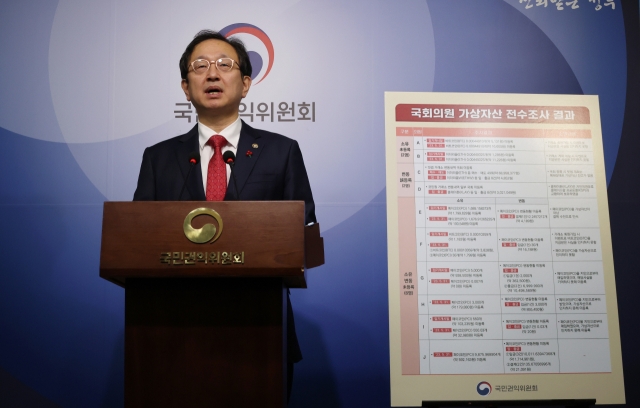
{"x": 205, "y": 297}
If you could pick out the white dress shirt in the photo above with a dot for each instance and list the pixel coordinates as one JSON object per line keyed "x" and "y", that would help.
{"x": 231, "y": 133}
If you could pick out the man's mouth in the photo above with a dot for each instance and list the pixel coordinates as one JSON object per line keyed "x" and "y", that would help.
{"x": 213, "y": 91}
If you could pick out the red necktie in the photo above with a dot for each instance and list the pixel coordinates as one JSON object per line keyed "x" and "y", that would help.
{"x": 217, "y": 172}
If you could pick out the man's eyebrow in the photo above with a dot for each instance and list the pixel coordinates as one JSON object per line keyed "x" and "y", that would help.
{"x": 216, "y": 58}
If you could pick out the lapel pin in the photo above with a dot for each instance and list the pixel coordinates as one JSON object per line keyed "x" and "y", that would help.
{"x": 255, "y": 145}
{"x": 249, "y": 153}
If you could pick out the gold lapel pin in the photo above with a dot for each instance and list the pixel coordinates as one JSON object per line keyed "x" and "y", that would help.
{"x": 255, "y": 145}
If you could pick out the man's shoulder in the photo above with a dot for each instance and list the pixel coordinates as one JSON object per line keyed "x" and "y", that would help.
{"x": 266, "y": 135}
{"x": 175, "y": 141}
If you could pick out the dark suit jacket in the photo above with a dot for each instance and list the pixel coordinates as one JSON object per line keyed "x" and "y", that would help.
{"x": 274, "y": 170}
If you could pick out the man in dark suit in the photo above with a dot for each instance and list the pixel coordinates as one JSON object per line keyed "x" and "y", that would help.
{"x": 216, "y": 75}
{"x": 270, "y": 169}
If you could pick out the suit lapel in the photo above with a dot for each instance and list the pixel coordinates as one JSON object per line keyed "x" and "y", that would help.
{"x": 245, "y": 161}
{"x": 189, "y": 144}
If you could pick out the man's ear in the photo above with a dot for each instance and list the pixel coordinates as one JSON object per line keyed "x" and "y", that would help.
{"x": 246, "y": 81}
{"x": 185, "y": 88}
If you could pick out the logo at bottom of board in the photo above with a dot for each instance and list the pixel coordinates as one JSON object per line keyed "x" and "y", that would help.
{"x": 484, "y": 388}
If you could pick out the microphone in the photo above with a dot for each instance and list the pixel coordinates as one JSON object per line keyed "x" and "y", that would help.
{"x": 194, "y": 158}
{"x": 230, "y": 158}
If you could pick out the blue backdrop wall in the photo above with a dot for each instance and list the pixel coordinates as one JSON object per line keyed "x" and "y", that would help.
{"x": 86, "y": 86}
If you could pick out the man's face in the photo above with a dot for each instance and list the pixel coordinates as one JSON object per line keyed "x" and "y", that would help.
{"x": 215, "y": 93}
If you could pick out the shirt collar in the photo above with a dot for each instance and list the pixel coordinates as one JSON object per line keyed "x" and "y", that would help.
{"x": 231, "y": 133}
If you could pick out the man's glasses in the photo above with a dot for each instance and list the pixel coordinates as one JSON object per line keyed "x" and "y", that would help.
{"x": 200, "y": 66}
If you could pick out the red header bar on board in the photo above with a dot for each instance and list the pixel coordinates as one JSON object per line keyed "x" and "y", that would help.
{"x": 492, "y": 113}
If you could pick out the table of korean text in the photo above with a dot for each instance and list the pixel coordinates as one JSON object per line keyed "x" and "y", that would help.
{"x": 502, "y": 269}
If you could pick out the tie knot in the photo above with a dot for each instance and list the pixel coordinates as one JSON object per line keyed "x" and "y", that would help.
{"x": 217, "y": 141}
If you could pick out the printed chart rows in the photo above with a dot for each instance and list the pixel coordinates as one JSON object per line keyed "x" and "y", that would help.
{"x": 508, "y": 244}
{"x": 514, "y": 356}
{"x": 506, "y": 213}
{"x": 514, "y": 327}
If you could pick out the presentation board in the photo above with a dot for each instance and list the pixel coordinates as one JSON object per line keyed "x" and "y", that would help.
{"x": 501, "y": 279}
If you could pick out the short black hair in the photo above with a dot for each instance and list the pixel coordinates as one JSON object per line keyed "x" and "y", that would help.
{"x": 203, "y": 35}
